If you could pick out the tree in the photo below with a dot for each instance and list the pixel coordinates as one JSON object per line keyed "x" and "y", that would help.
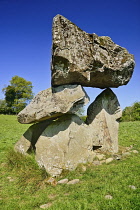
{"x": 131, "y": 113}
{"x": 136, "y": 110}
{"x": 18, "y": 94}
{"x": 9, "y": 95}
{"x": 3, "y": 108}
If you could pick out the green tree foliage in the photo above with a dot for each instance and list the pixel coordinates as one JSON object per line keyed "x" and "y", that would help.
{"x": 10, "y": 95}
{"x": 131, "y": 113}
{"x": 3, "y": 107}
{"x": 17, "y": 95}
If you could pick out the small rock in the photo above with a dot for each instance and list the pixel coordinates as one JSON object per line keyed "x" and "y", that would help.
{"x": 126, "y": 154}
{"x": 96, "y": 162}
{"x": 135, "y": 151}
{"x": 117, "y": 157}
{"x": 52, "y": 181}
{"x": 10, "y": 179}
{"x": 45, "y": 206}
{"x": 63, "y": 181}
{"x": 84, "y": 168}
{"x": 52, "y": 196}
{"x": 74, "y": 181}
{"x": 132, "y": 187}
{"x": 3, "y": 164}
{"x": 100, "y": 157}
{"x": 108, "y": 197}
{"x": 108, "y": 160}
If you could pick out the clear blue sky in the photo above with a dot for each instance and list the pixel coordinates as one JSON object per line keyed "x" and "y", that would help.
{"x": 26, "y": 38}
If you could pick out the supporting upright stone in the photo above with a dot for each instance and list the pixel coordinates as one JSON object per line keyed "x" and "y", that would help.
{"x": 103, "y": 117}
{"x": 64, "y": 144}
{"x": 87, "y": 59}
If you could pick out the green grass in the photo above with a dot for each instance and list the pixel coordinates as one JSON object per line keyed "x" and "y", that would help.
{"x": 24, "y": 186}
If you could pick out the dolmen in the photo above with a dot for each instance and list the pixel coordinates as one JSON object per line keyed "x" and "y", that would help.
{"x": 60, "y": 138}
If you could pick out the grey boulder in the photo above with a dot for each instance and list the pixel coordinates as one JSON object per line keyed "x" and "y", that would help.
{"x": 103, "y": 117}
{"x": 54, "y": 102}
{"x": 64, "y": 144}
{"x": 87, "y": 59}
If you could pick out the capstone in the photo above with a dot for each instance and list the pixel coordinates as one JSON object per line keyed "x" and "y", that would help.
{"x": 87, "y": 59}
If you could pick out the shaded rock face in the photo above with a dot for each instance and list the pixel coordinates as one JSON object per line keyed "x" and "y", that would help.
{"x": 64, "y": 144}
{"x": 53, "y": 102}
{"x": 30, "y": 137}
{"x": 87, "y": 59}
{"x": 103, "y": 116}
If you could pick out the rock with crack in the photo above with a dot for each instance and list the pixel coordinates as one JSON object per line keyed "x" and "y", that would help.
{"x": 64, "y": 144}
{"x": 103, "y": 117}
{"x": 54, "y": 102}
{"x": 87, "y": 59}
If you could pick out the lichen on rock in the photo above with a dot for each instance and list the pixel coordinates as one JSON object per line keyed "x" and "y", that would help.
{"x": 87, "y": 59}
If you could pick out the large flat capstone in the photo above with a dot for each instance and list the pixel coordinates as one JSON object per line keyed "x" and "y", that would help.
{"x": 87, "y": 59}
{"x": 54, "y": 102}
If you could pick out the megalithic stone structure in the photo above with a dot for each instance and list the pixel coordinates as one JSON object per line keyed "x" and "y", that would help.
{"x": 61, "y": 140}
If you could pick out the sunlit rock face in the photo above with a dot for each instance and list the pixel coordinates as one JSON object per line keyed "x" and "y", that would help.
{"x": 87, "y": 59}
{"x": 54, "y": 102}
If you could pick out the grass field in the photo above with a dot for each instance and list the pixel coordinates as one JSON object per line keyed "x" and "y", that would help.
{"x": 24, "y": 186}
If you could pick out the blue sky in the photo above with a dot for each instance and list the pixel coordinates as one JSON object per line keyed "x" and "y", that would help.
{"x": 26, "y": 38}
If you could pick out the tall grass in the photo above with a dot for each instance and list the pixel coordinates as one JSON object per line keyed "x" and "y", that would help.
{"x": 24, "y": 185}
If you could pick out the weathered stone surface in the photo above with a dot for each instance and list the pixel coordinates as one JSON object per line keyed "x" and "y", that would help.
{"x": 46, "y": 206}
{"x": 63, "y": 181}
{"x": 30, "y": 137}
{"x": 110, "y": 197}
{"x": 135, "y": 151}
{"x": 87, "y": 59}
{"x": 74, "y": 181}
{"x": 132, "y": 187}
{"x": 64, "y": 144}
{"x": 51, "y": 103}
{"x": 102, "y": 116}
{"x": 100, "y": 156}
{"x": 109, "y": 160}
{"x": 51, "y": 181}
